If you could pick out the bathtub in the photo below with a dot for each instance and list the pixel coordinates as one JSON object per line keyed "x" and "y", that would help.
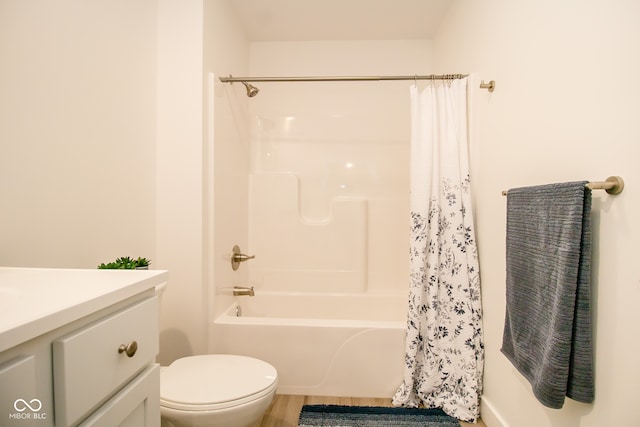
{"x": 321, "y": 344}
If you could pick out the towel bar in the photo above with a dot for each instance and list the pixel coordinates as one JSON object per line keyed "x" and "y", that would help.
{"x": 612, "y": 185}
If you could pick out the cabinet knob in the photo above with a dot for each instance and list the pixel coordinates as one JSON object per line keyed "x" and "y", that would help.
{"x": 129, "y": 349}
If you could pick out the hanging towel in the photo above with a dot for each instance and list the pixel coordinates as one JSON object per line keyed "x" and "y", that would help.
{"x": 547, "y": 331}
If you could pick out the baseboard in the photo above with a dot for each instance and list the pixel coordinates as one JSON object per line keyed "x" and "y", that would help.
{"x": 489, "y": 415}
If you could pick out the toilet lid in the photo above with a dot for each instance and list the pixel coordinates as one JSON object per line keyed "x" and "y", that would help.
{"x": 214, "y": 381}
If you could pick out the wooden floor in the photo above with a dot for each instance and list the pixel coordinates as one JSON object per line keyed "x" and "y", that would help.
{"x": 285, "y": 409}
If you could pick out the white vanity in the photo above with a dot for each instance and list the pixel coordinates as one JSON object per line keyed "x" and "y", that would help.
{"x": 78, "y": 347}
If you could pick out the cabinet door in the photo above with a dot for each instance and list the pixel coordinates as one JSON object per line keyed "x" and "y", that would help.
{"x": 136, "y": 405}
{"x": 19, "y": 402}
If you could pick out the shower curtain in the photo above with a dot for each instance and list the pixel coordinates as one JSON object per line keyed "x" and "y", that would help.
{"x": 444, "y": 345}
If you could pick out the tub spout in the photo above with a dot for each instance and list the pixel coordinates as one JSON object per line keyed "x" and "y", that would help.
{"x": 239, "y": 291}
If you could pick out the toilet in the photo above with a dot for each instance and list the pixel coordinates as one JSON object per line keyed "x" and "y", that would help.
{"x": 214, "y": 390}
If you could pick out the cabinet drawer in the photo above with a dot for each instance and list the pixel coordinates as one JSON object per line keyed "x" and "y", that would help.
{"x": 89, "y": 366}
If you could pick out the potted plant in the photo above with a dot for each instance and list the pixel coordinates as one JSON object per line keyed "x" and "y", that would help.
{"x": 142, "y": 263}
{"x": 126, "y": 263}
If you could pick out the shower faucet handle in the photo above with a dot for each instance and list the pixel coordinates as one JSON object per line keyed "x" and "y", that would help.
{"x": 239, "y": 257}
{"x": 242, "y": 257}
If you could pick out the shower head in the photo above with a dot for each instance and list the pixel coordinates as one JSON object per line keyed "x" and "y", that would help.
{"x": 251, "y": 89}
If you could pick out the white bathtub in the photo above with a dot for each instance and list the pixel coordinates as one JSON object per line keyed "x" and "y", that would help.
{"x": 321, "y": 344}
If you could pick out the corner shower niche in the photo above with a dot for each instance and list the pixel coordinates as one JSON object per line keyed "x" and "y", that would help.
{"x": 298, "y": 253}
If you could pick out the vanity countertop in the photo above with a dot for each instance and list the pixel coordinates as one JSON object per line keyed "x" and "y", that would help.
{"x": 34, "y": 301}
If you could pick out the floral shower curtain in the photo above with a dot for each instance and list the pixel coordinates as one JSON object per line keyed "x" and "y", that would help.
{"x": 444, "y": 344}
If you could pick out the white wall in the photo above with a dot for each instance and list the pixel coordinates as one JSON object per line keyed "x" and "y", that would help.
{"x": 565, "y": 108}
{"x": 180, "y": 204}
{"x": 202, "y": 166}
{"x": 106, "y": 144}
{"x": 77, "y": 132}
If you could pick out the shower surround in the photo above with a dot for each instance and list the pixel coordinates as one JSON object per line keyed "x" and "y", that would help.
{"x": 328, "y": 197}
{"x": 328, "y": 204}
{"x": 328, "y": 209}
{"x": 329, "y": 166}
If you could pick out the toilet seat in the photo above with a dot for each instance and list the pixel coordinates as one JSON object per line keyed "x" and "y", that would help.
{"x": 215, "y": 381}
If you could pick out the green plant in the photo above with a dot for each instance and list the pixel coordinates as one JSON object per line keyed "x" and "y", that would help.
{"x": 125, "y": 263}
{"x": 143, "y": 262}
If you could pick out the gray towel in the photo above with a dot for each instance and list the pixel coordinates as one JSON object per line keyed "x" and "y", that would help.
{"x": 547, "y": 331}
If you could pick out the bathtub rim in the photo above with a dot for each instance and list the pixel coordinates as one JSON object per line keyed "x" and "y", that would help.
{"x": 227, "y": 315}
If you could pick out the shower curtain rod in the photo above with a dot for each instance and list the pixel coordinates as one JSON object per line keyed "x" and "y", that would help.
{"x": 232, "y": 79}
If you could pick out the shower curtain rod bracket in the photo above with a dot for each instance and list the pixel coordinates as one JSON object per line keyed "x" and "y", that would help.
{"x": 491, "y": 86}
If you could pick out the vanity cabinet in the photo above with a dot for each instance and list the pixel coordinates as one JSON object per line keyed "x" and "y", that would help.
{"x": 94, "y": 367}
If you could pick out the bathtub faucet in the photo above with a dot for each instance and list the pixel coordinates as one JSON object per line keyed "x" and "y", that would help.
{"x": 239, "y": 291}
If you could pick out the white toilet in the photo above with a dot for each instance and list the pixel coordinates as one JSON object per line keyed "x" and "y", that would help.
{"x": 214, "y": 390}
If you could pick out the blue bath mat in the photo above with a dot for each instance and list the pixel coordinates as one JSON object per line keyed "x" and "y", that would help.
{"x": 370, "y": 416}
